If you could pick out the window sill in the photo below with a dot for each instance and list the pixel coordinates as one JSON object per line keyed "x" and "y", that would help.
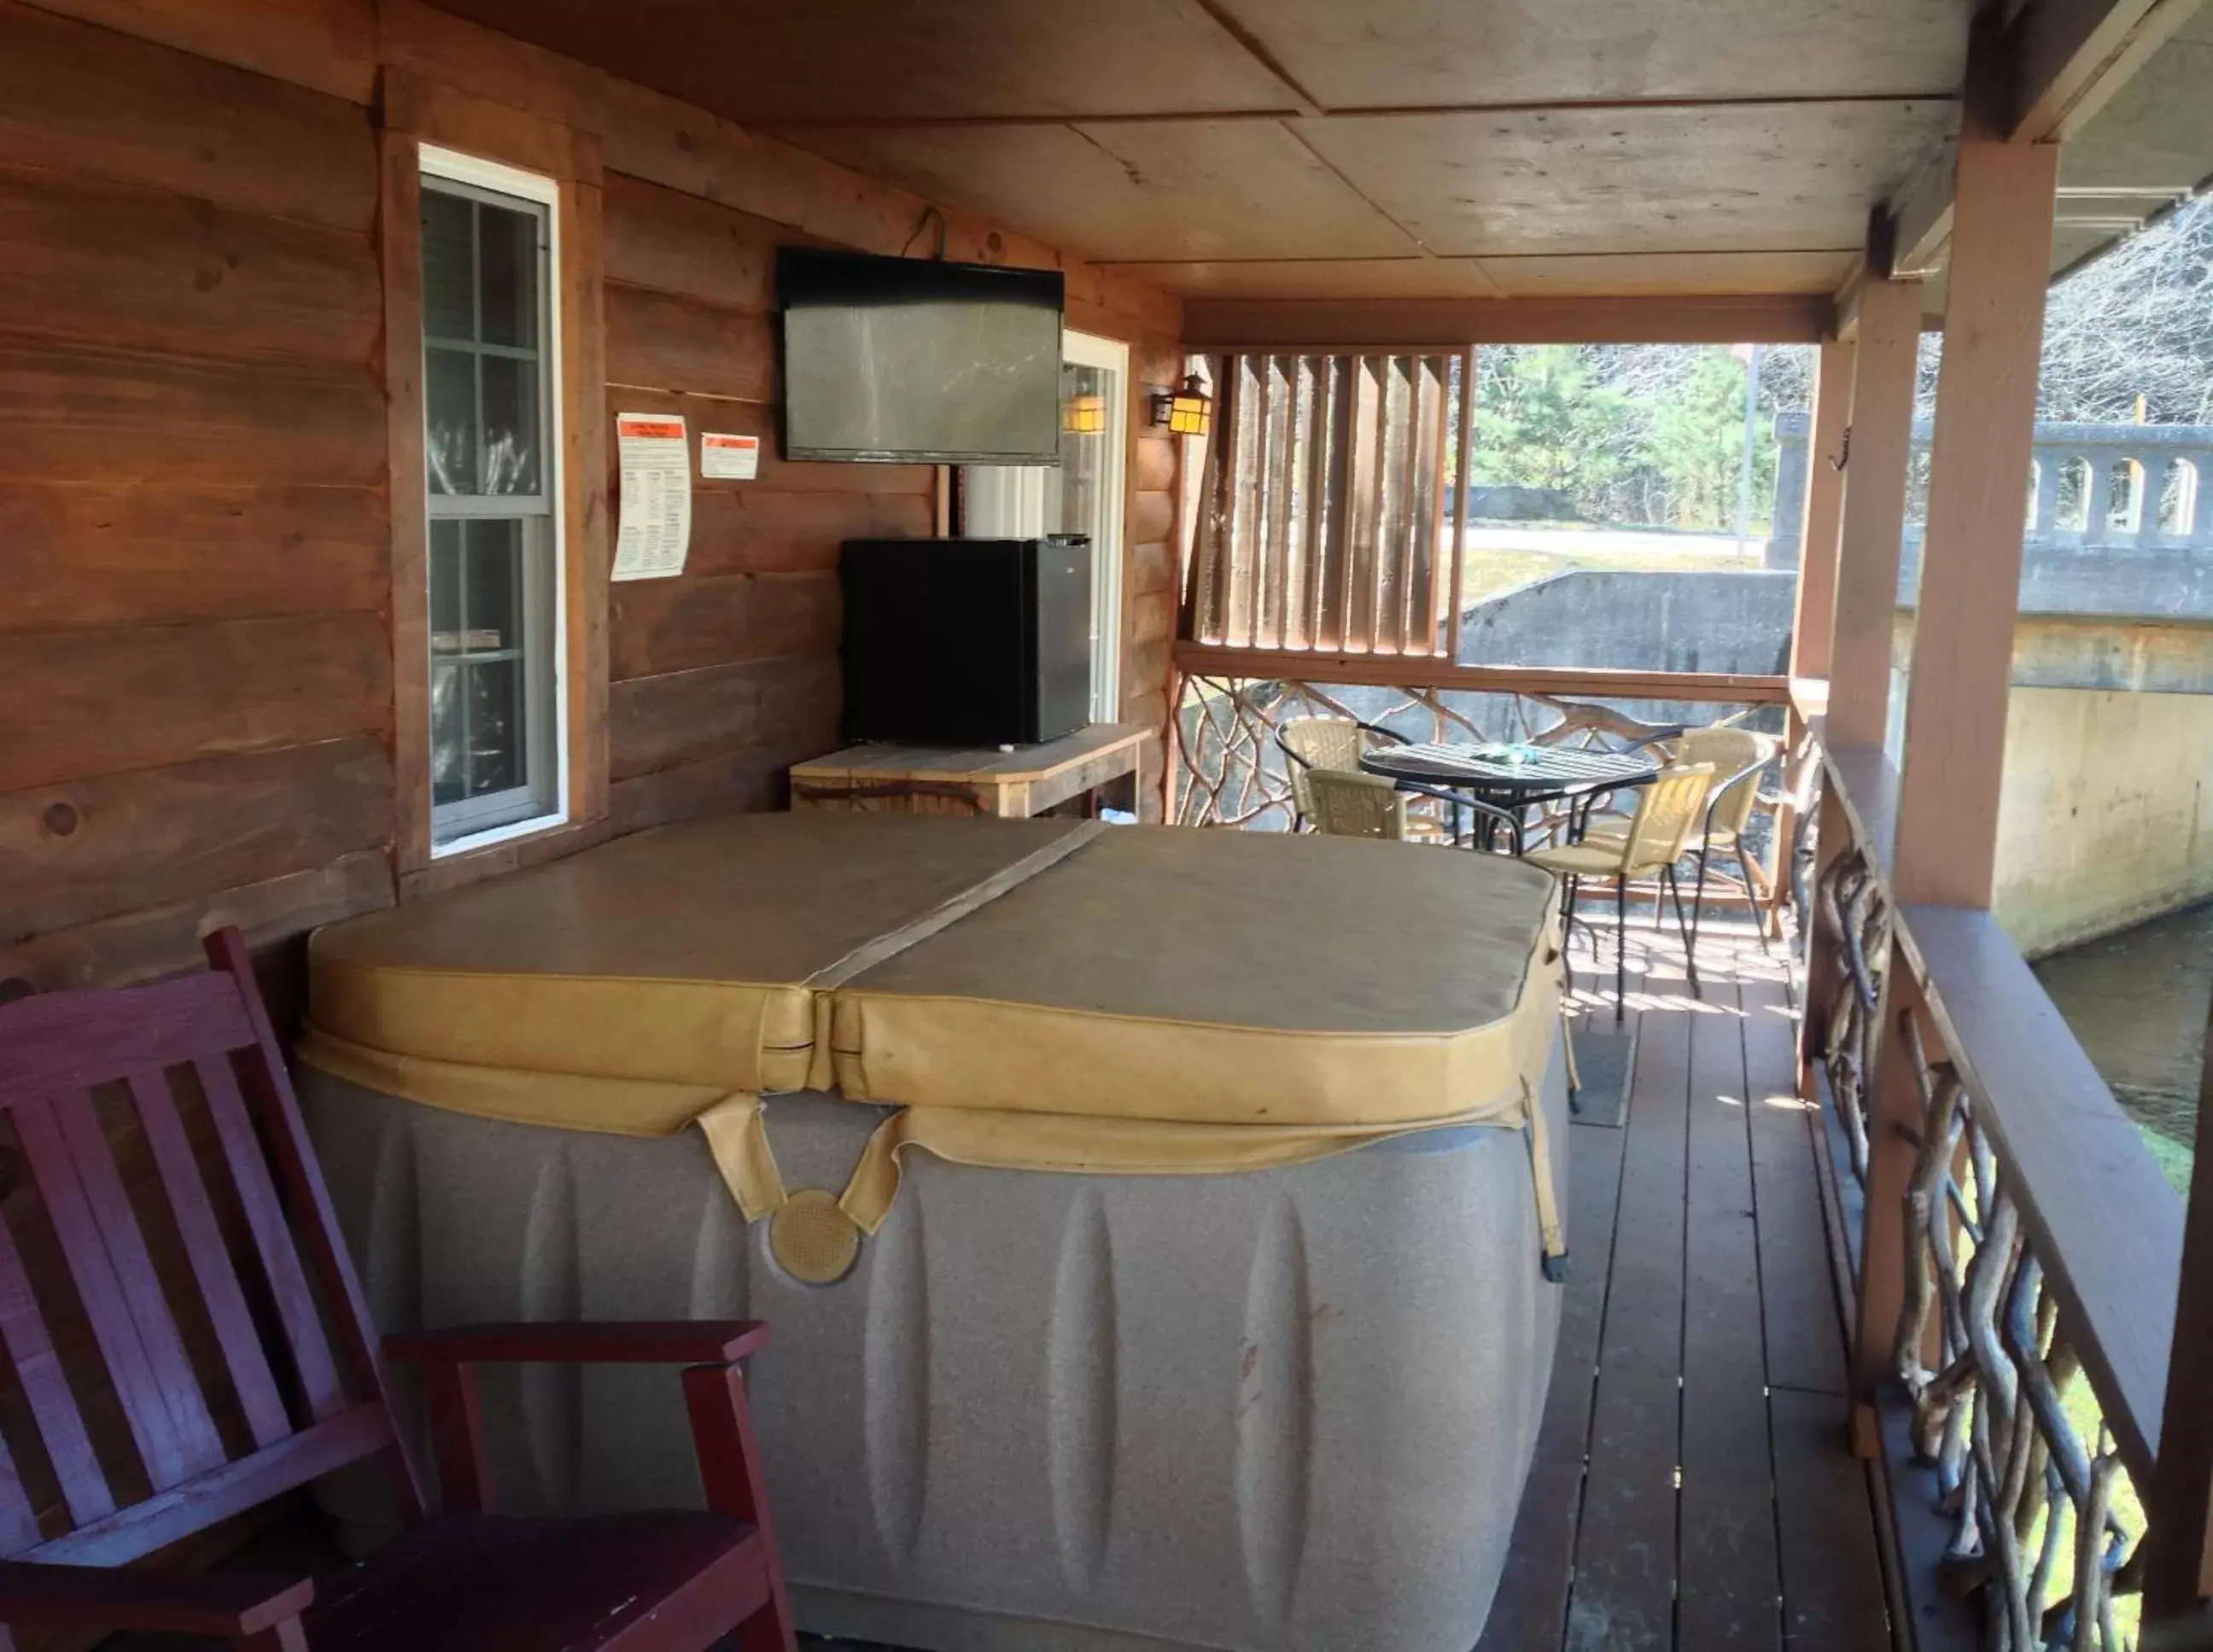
{"x": 503, "y": 849}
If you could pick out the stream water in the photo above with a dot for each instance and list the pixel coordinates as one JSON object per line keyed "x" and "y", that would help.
{"x": 2138, "y": 1001}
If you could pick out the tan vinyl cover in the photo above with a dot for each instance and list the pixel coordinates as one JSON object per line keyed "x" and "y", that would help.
{"x": 1043, "y": 994}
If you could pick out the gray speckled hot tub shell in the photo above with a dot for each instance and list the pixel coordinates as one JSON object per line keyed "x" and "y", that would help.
{"x": 1286, "y": 1409}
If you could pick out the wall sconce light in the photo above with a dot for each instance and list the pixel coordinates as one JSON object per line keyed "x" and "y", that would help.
{"x": 1187, "y": 411}
{"x": 1084, "y": 415}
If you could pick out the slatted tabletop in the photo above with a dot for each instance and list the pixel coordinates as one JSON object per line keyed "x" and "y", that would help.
{"x": 1554, "y": 770}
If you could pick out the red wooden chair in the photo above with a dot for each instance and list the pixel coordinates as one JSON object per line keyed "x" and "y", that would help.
{"x": 464, "y": 1579}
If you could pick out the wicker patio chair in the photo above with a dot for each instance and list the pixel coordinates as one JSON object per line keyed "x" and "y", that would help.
{"x": 1334, "y": 743}
{"x": 1347, "y": 803}
{"x": 1668, "y": 814}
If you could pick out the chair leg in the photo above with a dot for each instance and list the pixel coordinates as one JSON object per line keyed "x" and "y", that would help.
{"x": 1763, "y": 904}
{"x": 1697, "y": 911}
{"x": 1687, "y": 930}
{"x": 730, "y": 1473}
{"x": 1620, "y": 946}
{"x": 1568, "y": 931}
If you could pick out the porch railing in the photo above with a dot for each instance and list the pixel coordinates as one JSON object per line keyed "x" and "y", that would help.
{"x": 2015, "y": 1266}
{"x": 1229, "y": 770}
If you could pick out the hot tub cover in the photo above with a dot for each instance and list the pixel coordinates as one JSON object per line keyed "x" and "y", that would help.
{"x": 1031, "y": 994}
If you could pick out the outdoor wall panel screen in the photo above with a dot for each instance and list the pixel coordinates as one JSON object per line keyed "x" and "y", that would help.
{"x": 906, "y": 360}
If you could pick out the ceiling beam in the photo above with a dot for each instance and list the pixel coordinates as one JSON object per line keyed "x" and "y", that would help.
{"x": 1429, "y": 323}
{"x": 2071, "y": 56}
{"x": 2055, "y": 66}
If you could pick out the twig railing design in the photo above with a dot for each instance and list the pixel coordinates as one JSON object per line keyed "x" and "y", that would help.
{"x": 1855, "y": 918}
{"x": 1999, "y": 1394}
{"x": 1231, "y": 773}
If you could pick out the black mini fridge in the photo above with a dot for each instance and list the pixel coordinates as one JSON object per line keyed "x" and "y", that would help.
{"x": 966, "y": 641}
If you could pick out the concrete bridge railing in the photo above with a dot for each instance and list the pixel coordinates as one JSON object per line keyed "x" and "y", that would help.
{"x": 2119, "y": 518}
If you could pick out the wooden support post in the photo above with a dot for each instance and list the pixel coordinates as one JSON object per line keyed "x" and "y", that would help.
{"x": 1894, "y": 1119}
{"x": 2178, "y": 1504}
{"x": 1874, "y": 515}
{"x": 1463, "y": 484}
{"x": 1825, "y": 504}
{"x": 1956, "y": 713}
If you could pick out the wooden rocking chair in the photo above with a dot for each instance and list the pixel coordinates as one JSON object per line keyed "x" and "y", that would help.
{"x": 466, "y": 1579}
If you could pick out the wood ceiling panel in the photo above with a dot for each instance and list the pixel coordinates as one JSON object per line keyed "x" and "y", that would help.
{"x": 1589, "y": 275}
{"x": 1375, "y": 277}
{"x": 769, "y": 60}
{"x": 1431, "y": 54}
{"x": 1158, "y": 190}
{"x": 1770, "y": 177}
{"x": 1663, "y": 273}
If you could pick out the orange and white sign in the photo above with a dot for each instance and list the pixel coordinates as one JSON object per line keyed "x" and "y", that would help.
{"x": 727, "y": 458}
{"x": 653, "y": 510}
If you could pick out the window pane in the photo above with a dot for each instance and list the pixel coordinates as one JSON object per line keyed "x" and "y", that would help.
{"x": 511, "y": 419}
{"x": 449, "y": 420}
{"x": 446, "y": 587}
{"x": 449, "y": 734}
{"x": 448, "y": 267}
{"x": 508, "y": 277}
{"x": 496, "y": 730}
{"x": 494, "y": 587}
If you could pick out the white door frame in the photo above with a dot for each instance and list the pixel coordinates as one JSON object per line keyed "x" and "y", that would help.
{"x": 1012, "y": 500}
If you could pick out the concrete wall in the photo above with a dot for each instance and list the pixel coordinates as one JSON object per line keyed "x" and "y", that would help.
{"x": 1663, "y": 620}
{"x": 2103, "y": 818}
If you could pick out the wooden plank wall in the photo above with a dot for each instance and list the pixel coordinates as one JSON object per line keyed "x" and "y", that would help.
{"x": 194, "y": 515}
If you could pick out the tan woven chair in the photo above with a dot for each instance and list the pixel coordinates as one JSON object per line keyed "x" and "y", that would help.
{"x": 1738, "y": 756}
{"x": 1345, "y": 803}
{"x": 1668, "y": 814}
{"x": 1335, "y": 744}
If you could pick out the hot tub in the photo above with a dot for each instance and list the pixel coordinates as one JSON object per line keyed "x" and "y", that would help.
{"x": 1150, "y": 1219}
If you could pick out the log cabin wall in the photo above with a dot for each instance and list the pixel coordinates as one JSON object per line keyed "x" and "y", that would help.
{"x": 197, "y": 518}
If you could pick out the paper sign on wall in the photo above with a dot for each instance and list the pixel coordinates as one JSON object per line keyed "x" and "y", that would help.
{"x": 729, "y": 458}
{"x": 654, "y": 512}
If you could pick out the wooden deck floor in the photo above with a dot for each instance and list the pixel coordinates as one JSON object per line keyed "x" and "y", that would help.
{"x": 1692, "y": 1491}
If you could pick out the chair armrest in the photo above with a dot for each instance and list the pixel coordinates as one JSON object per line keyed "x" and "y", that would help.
{"x": 1458, "y": 800}
{"x": 592, "y": 1342}
{"x": 454, "y": 1406}
{"x": 110, "y": 1598}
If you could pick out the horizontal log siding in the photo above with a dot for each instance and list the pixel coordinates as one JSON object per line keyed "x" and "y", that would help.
{"x": 191, "y": 506}
{"x": 193, "y": 503}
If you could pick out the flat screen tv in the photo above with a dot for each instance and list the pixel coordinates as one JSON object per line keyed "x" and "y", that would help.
{"x": 913, "y": 361}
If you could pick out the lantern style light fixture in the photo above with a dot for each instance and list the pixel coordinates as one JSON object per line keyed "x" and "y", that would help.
{"x": 1084, "y": 415}
{"x": 1186, "y": 411}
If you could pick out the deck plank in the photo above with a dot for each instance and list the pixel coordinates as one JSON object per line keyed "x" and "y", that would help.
{"x": 1805, "y": 1333}
{"x": 1622, "y": 1599}
{"x": 1833, "y": 1585}
{"x": 1708, "y": 1337}
{"x": 1530, "y": 1613}
{"x": 1730, "y": 1587}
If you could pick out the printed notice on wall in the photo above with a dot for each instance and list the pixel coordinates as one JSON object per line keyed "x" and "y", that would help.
{"x": 654, "y": 512}
{"x": 729, "y": 458}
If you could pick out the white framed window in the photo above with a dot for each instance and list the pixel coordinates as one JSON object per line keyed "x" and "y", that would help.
{"x": 491, "y": 440}
{"x": 1082, "y": 495}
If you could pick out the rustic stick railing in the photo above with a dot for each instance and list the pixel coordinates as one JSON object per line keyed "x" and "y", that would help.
{"x": 2017, "y": 1264}
{"x": 1230, "y": 771}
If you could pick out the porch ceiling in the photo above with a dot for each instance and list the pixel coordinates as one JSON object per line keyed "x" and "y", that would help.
{"x": 1308, "y": 148}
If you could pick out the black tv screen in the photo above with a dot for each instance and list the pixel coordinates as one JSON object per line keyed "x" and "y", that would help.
{"x": 909, "y": 360}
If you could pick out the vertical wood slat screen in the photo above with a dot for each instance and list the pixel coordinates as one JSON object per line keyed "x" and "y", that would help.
{"x": 1321, "y": 524}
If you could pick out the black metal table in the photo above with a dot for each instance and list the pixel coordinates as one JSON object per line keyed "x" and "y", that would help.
{"x": 1518, "y": 777}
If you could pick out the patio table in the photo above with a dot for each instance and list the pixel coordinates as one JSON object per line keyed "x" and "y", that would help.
{"x": 1517, "y": 777}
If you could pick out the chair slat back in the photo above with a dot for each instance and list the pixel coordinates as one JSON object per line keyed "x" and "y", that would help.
{"x": 1352, "y": 805}
{"x": 1666, "y": 817}
{"x": 146, "y": 1261}
{"x": 1728, "y": 750}
{"x": 1317, "y": 743}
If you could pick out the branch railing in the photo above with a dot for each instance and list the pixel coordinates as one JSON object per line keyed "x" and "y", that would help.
{"x": 2016, "y": 1263}
{"x": 1232, "y": 773}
